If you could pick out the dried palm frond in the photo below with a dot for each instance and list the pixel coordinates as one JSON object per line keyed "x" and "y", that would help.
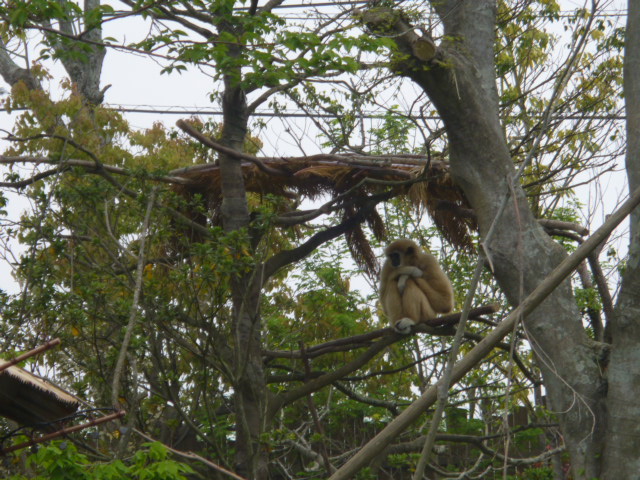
{"x": 446, "y": 205}
{"x": 360, "y": 247}
{"x": 353, "y": 177}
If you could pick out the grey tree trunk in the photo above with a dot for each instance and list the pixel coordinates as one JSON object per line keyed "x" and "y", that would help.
{"x": 84, "y": 67}
{"x": 461, "y": 84}
{"x": 85, "y": 71}
{"x": 621, "y": 454}
{"x": 12, "y": 73}
{"x": 248, "y": 382}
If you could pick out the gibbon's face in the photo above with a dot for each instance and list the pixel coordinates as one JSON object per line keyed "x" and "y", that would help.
{"x": 397, "y": 256}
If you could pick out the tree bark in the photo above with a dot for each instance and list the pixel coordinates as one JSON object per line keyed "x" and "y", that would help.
{"x": 621, "y": 459}
{"x": 12, "y": 73}
{"x": 85, "y": 71}
{"x": 461, "y": 85}
{"x": 249, "y": 382}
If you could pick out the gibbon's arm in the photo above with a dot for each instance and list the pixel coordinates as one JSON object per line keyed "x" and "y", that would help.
{"x": 407, "y": 270}
{"x": 414, "y": 272}
{"x": 402, "y": 283}
{"x": 391, "y": 274}
{"x": 429, "y": 266}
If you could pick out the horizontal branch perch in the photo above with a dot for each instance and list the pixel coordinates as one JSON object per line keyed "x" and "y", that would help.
{"x": 453, "y": 318}
{"x": 365, "y": 339}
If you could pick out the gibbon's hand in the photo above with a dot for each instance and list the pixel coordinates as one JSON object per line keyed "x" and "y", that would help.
{"x": 402, "y": 282}
{"x": 416, "y": 272}
{"x": 407, "y": 271}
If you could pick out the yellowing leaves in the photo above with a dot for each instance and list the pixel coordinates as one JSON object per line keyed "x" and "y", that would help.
{"x": 148, "y": 271}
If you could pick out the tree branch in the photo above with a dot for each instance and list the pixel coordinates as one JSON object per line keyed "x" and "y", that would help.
{"x": 389, "y": 337}
{"x": 560, "y": 225}
{"x": 605, "y": 294}
{"x": 279, "y": 401}
{"x": 12, "y": 73}
{"x": 391, "y": 406}
{"x": 89, "y": 166}
{"x": 478, "y": 442}
{"x": 194, "y": 456}
{"x": 133, "y": 315}
{"x": 364, "y": 340}
{"x": 184, "y": 126}
{"x": 287, "y": 257}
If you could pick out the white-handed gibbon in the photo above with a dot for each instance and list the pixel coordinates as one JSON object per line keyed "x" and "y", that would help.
{"x": 413, "y": 287}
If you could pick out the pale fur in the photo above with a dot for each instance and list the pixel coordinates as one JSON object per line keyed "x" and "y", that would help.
{"x": 416, "y": 290}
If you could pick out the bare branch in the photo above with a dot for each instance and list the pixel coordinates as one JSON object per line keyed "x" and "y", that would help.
{"x": 12, "y": 73}
{"x": 279, "y": 401}
{"x": 560, "y": 225}
{"x": 226, "y": 150}
{"x": 391, "y": 406}
{"x": 287, "y": 257}
{"x": 117, "y": 373}
{"x": 194, "y": 456}
{"x": 478, "y": 442}
{"x": 90, "y": 166}
{"x": 603, "y": 291}
{"x": 365, "y": 339}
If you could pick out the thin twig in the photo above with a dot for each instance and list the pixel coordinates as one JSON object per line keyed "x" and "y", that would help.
{"x": 30, "y": 353}
{"x": 63, "y": 431}
{"x": 133, "y": 315}
{"x": 446, "y": 380}
{"x": 193, "y": 456}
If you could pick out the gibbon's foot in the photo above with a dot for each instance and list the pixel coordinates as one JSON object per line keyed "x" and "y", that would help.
{"x": 404, "y": 325}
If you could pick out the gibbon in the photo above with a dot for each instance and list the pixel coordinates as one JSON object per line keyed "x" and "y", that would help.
{"x": 413, "y": 287}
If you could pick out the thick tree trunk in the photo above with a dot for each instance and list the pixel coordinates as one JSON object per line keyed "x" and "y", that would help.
{"x": 248, "y": 382}
{"x": 621, "y": 458}
{"x": 84, "y": 69}
{"x": 522, "y": 256}
{"x": 461, "y": 84}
